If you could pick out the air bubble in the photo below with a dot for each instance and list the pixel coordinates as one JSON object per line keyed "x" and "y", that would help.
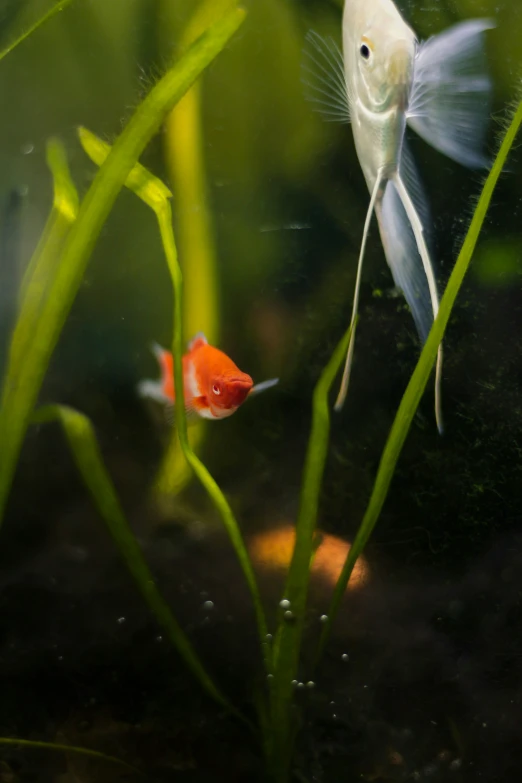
{"x": 208, "y": 605}
{"x": 26, "y": 149}
{"x": 323, "y": 618}
{"x": 310, "y": 684}
{"x": 121, "y": 620}
{"x": 268, "y": 637}
{"x": 345, "y": 657}
{"x": 288, "y": 615}
{"x": 284, "y": 604}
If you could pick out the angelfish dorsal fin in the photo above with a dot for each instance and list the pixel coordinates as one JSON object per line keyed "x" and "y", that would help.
{"x": 197, "y": 340}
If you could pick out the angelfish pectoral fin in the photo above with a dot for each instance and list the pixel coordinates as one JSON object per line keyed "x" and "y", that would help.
{"x": 322, "y": 75}
{"x": 341, "y": 397}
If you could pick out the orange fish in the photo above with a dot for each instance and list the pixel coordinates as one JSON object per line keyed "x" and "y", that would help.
{"x": 214, "y": 387}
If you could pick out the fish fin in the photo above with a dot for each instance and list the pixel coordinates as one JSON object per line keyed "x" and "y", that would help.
{"x": 322, "y": 74}
{"x": 263, "y": 386}
{"x": 450, "y": 100}
{"x": 152, "y": 390}
{"x": 190, "y": 412}
{"x": 406, "y": 250}
{"x": 169, "y": 412}
{"x": 197, "y": 340}
{"x": 158, "y": 351}
{"x": 341, "y": 397}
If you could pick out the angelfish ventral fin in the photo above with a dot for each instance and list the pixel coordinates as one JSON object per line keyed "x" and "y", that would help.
{"x": 343, "y": 391}
{"x": 322, "y": 75}
{"x": 402, "y": 215}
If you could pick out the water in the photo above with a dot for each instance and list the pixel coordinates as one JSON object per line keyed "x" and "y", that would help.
{"x": 433, "y": 681}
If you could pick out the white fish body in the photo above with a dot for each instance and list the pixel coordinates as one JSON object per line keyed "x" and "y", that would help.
{"x": 382, "y": 81}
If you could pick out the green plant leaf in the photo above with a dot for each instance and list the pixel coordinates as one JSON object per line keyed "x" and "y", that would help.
{"x": 66, "y": 749}
{"x": 56, "y": 8}
{"x": 140, "y": 180}
{"x": 42, "y": 266}
{"x": 287, "y": 646}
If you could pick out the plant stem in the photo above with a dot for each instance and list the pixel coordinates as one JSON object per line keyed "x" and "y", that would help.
{"x": 60, "y": 6}
{"x": 287, "y": 646}
{"x": 67, "y": 749}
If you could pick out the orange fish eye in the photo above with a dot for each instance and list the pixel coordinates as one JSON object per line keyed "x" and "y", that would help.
{"x": 216, "y": 389}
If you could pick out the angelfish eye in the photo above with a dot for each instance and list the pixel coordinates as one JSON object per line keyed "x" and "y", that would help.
{"x": 216, "y": 389}
{"x": 365, "y": 51}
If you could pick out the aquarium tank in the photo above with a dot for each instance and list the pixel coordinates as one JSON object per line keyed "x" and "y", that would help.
{"x": 261, "y": 391}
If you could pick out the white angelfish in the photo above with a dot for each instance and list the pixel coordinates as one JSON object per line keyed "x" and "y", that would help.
{"x": 383, "y": 80}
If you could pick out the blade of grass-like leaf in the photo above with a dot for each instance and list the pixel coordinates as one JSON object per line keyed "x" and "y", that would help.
{"x": 85, "y": 451}
{"x": 41, "y": 266}
{"x": 156, "y": 195}
{"x": 63, "y": 214}
{"x": 140, "y": 180}
{"x": 67, "y": 749}
{"x": 60, "y": 6}
{"x": 287, "y": 645}
{"x": 146, "y": 121}
{"x": 419, "y": 379}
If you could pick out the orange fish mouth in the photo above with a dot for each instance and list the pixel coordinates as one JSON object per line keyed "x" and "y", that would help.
{"x": 235, "y": 392}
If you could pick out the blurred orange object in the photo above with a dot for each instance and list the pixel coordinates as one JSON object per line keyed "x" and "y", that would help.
{"x": 272, "y": 550}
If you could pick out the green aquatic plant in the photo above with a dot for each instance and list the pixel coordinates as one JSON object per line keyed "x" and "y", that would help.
{"x": 61, "y": 748}
{"x": 48, "y": 290}
{"x": 287, "y": 645}
{"x": 49, "y": 287}
{"x": 61, "y": 5}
